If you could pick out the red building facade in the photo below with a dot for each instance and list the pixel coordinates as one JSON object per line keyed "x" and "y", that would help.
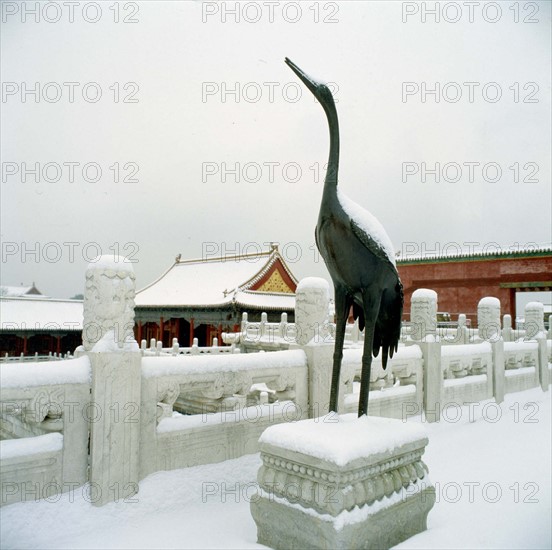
{"x": 461, "y": 281}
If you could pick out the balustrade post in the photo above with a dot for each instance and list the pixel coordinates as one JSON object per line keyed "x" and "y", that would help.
{"x": 544, "y": 372}
{"x": 507, "y": 331}
{"x": 534, "y": 320}
{"x": 488, "y": 319}
{"x": 108, "y": 339}
{"x": 312, "y": 299}
{"x": 423, "y": 314}
{"x": 499, "y": 380}
{"x": 433, "y": 380}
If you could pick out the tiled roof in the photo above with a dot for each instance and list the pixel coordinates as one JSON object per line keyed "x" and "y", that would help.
{"x": 216, "y": 282}
{"x": 40, "y": 313}
{"x": 453, "y": 252}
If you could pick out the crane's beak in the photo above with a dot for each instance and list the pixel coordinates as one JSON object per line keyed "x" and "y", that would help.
{"x": 311, "y": 84}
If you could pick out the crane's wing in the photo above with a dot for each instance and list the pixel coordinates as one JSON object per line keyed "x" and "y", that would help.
{"x": 370, "y": 243}
{"x": 368, "y": 229}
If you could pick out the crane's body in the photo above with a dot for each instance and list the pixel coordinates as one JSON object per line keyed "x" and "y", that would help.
{"x": 359, "y": 257}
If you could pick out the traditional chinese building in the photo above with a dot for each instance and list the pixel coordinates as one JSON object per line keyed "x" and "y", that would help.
{"x": 32, "y": 323}
{"x": 17, "y": 291}
{"x": 205, "y": 297}
{"x": 462, "y": 280}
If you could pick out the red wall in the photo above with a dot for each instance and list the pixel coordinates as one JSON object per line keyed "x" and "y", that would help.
{"x": 460, "y": 284}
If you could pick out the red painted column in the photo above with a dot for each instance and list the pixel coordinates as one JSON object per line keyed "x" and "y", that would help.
{"x": 160, "y": 335}
{"x": 25, "y": 344}
{"x": 58, "y": 345}
{"x": 191, "y": 332}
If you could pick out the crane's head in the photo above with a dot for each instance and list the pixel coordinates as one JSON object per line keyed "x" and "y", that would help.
{"x": 319, "y": 89}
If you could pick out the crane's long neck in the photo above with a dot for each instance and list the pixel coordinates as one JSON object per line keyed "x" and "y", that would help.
{"x": 330, "y": 183}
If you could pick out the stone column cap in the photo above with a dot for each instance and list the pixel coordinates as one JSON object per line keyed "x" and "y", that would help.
{"x": 344, "y": 442}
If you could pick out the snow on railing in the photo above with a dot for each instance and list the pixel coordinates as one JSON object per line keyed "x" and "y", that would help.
{"x": 203, "y": 409}
{"x": 272, "y": 336}
{"x": 391, "y": 390}
{"x": 156, "y": 348}
{"x": 35, "y": 358}
{"x": 43, "y": 403}
{"x": 521, "y": 361}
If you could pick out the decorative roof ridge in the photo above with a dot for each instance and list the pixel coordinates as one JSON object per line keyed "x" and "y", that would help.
{"x": 225, "y": 258}
{"x": 159, "y": 278}
{"x": 273, "y": 258}
{"x": 265, "y": 292}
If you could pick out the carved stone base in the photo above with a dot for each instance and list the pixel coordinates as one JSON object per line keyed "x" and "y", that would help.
{"x": 342, "y": 483}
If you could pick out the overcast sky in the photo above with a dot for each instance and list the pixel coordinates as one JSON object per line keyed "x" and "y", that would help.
{"x": 167, "y": 120}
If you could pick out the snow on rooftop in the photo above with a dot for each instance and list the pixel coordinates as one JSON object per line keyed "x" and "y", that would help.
{"x": 209, "y": 282}
{"x": 265, "y": 300}
{"x": 15, "y": 291}
{"x": 40, "y": 313}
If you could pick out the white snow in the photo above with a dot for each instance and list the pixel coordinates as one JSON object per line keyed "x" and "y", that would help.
{"x": 110, "y": 261}
{"x": 313, "y": 282}
{"x": 342, "y": 438}
{"x": 29, "y": 312}
{"x": 223, "y": 280}
{"x": 464, "y": 381}
{"x": 490, "y": 301}
{"x": 207, "y": 507}
{"x": 47, "y": 373}
{"x": 354, "y": 355}
{"x": 521, "y": 346}
{"x": 25, "y": 446}
{"x": 357, "y": 514}
{"x": 368, "y": 223}
{"x": 425, "y": 293}
{"x": 165, "y": 366}
{"x": 287, "y": 409}
{"x": 519, "y": 372}
{"x": 466, "y": 349}
{"x": 107, "y": 344}
{"x": 264, "y": 300}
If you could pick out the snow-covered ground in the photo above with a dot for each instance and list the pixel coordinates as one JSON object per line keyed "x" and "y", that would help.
{"x": 491, "y": 467}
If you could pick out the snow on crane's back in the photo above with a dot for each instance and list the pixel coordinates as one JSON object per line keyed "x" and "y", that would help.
{"x": 368, "y": 223}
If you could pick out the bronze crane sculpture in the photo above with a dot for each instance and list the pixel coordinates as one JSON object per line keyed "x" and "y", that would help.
{"x": 360, "y": 258}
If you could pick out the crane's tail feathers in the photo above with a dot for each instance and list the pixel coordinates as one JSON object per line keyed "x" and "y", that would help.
{"x": 384, "y": 357}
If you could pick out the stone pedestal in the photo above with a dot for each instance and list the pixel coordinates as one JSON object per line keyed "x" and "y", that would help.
{"x": 342, "y": 483}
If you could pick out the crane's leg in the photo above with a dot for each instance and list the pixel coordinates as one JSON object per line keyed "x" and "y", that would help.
{"x": 371, "y": 306}
{"x": 342, "y": 306}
